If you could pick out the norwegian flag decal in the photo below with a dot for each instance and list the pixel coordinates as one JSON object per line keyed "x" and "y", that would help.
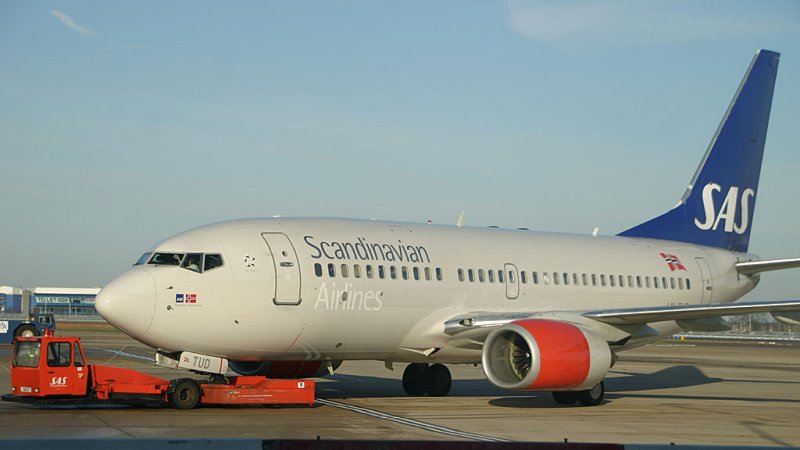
{"x": 673, "y": 262}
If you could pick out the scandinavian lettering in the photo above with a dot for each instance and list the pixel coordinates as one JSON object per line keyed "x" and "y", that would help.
{"x": 363, "y": 250}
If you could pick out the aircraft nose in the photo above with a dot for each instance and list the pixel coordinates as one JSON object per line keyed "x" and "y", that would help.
{"x": 129, "y": 301}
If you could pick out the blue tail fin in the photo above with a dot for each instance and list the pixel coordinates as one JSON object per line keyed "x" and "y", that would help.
{"x": 717, "y": 208}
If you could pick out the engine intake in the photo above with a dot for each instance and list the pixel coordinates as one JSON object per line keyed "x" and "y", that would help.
{"x": 545, "y": 355}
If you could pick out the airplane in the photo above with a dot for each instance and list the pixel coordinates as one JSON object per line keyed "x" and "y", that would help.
{"x": 294, "y": 297}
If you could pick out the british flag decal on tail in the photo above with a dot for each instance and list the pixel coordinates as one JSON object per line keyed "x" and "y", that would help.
{"x": 673, "y": 262}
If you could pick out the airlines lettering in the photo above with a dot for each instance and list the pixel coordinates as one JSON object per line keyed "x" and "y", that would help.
{"x": 332, "y": 299}
{"x": 727, "y": 211}
{"x": 364, "y": 250}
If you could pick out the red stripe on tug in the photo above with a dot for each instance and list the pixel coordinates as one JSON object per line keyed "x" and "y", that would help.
{"x": 563, "y": 352}
{"x": 545, "y": 355}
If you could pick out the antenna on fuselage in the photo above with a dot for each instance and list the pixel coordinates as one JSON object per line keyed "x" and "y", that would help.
{"x": 595, "y": 231}
{"x": 460, "y": 222}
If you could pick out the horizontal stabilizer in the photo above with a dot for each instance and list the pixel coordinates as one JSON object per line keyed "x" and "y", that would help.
{"x": 748, "y": 268}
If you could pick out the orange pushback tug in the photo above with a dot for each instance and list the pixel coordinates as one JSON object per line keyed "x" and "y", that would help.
{"x": 51, "y": 371}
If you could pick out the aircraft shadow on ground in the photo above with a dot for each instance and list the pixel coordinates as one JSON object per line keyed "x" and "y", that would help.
{"x": 622, "y": 385}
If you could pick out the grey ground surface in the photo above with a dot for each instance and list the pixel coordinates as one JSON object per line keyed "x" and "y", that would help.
{"x": 681, "y": 392}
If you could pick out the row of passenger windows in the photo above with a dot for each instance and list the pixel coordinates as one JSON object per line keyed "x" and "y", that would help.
{"x": 382, "y": 272}
{"x": 566, "y": 279}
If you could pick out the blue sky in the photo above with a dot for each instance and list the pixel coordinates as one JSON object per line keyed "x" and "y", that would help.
{"x": 124, "y": 123}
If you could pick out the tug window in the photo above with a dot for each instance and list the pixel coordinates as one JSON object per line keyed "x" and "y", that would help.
{"x": 58, "y": 354}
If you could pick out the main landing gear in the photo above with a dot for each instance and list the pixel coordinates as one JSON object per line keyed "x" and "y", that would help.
{"x": 420, "y": 379}
{"x": 589, "y": 397}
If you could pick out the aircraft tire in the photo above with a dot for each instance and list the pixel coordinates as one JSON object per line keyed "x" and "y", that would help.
{"x": 26, "y": 330}
{"x": 185, "y": 394}
{"x": 438, "y": 380}
{"x": 565, "y": 397}
{"x": 414, "y": 379}
{"x": 593, "y": 396}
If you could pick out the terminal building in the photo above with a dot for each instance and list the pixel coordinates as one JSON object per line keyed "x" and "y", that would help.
{"x": 76, "y": 302}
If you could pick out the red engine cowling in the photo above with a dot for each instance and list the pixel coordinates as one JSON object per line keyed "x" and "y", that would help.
{"x": 282, "y": 369}
{"x": 545, "y": 355}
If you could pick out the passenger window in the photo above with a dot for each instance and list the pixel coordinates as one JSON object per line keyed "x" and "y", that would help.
{"x": 370, "y": 273}
{"x": 575, "y": 279}
{"x": 672, "y": 282}
{"x": 664, "y": 282}
{"x": 511, "y": 277}
{"x": 611, "y": 281}
{"x": 630, "y": 281}
{"x": 647, "y": 282}
{"x": 638, "y": 281}
{"x": 331, "y": 270}
{"x": 415, "y": 270}
{"x": 460, "y": 274}
{"x": 523, "y": 277}
{"x": 471, "y": 275}
{"x": 544, "y": 278}
{"x": 621, "y": 281}
{"x": 491, "y": 276}
{"x": 428, "y": 274}
{"x": 58, "y": 354}
{"x": 393, "y": 272}
{"x": 655, "y": 282}
{"x": 212, "y": 261}
{"x": 501, "y": 276}
{"x": 481, "y": 276}
{"x": 680, "y": 283}
{"x": 439, "y": 274}
{"x": 585, "y": 279}
{"x": 345, "y": 272}
{"x": 357, "y": 271}
{"x": 594, "y": 279}
{"x": 381, "y": 272}
{"x": 318, "y": 269}
{"x": 556, "y": 278}
{"x": 688, "y": 284}
{"x": 602, "y": 280}
{"x": 404, "y": 271}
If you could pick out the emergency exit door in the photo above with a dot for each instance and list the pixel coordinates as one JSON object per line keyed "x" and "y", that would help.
{"x": 287, "y": 269}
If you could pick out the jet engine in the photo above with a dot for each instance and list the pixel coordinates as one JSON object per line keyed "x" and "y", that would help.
{"x": 545, "y": 355}
{"x": 283, "y": 369}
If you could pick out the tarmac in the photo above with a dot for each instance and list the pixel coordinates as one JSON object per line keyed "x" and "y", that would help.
{"x": 682, "y": 392}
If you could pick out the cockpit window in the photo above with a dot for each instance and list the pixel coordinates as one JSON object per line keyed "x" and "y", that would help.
{"x": 166, "y": 259}
{"x": 143, "y": 259}
{"x": 213, "y": 260}
{"x": 193, "y": 262}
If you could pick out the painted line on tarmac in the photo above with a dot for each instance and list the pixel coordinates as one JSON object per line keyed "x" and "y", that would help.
{"x": 121, "y": 353}
{"x": 411, "y": 422}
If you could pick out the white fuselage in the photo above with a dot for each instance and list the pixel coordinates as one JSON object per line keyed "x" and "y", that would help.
{"x": 274, "y": 298}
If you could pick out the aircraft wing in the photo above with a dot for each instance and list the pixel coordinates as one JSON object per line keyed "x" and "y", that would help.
{"x": 618, "y": 324}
